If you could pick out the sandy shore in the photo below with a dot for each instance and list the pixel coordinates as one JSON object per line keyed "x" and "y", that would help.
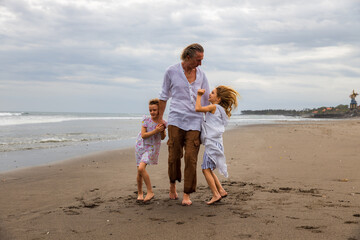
{"x": 292, "y": 181}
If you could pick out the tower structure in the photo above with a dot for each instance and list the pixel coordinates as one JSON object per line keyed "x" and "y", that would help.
{"x": 353, "y": 103}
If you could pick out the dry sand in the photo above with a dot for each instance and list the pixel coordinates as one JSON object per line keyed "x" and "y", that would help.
{"x": 291, "y": 181}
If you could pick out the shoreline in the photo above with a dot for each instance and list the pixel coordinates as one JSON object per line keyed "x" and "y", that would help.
{"x": 286, "y": 181}
{"x": 17, "y": 160}
{"x": 51, "y": 142}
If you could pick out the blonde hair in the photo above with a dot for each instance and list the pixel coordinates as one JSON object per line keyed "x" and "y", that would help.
{"x": 154, "y": 101}
{"x": 191, "y": 51}
{"x": 228, "y": 98}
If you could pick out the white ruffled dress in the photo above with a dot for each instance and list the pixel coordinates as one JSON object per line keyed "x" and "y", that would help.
{"x": 212, "y": 130}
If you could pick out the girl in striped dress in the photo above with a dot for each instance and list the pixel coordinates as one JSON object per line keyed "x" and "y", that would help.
{"x": 223, "y": 99}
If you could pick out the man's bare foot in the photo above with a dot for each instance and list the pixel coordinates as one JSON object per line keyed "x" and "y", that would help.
{"x": 149, "y": 196}
{"x": 140, "y": 197}
{"x": 214, "y": 200}
{"x": 173, "y": 194}
{"x": 186, "y": 200}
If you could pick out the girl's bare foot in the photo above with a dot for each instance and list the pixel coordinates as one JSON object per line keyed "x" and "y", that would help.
{"x": 140, "y": 197}
{"x": 149, "y": 196}
{"x": 214, "y": 200}
{"x": 223, "y": 193}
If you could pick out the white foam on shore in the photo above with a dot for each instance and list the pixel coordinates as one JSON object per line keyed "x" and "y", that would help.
{"x": 9, "y": 119}
{"x": 7, "y": 114}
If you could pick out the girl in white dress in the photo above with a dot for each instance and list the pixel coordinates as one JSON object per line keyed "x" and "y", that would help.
{"x": 223, "y": 99}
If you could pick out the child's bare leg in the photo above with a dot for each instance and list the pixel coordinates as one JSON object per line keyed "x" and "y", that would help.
{"x": 139, "y": 181}
{"x": 219, "y": 187}
{"x": 145, "y": 176}
{"x": 211, "y": 182}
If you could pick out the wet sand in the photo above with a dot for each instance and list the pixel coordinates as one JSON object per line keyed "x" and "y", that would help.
{"x": 290, "y": 181}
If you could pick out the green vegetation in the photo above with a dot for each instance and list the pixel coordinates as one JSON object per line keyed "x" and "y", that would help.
{"x": 340, "y": 111}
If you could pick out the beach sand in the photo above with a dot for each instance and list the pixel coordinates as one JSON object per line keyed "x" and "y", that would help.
{"x": 286, "y": 181}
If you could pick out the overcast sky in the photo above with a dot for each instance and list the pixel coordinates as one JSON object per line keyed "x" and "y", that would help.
{"x": 110, "y": 55}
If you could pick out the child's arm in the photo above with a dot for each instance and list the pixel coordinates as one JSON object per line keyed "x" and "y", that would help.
{"x": 199, "y": 108}
{"x": 145, "y": 134}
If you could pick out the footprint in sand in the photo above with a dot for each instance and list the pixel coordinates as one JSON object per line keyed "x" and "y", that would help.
{"x": 351, "y": 222}
{"x": 159, "y": 220}
{"x": 311, "y": 228}
{"x": 243, "y": 236}
{"x": 90, "y": 203}
{"x": 72, "y": 210}
{"x": 241, "y": 214}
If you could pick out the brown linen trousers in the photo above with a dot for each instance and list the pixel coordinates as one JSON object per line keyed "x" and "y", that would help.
{"x": 180, "y": 140}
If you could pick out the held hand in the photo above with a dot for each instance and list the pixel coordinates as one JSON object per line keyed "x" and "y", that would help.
{"x": 160, "y": 127}
{"x": 162, "y": 121}
{"x": 201, "y": 92}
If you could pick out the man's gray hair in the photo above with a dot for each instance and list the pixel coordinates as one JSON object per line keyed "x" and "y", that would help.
{"x": 191, "y": 50}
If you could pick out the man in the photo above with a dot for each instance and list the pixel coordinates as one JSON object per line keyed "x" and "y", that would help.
{"x": 181, "y": 82}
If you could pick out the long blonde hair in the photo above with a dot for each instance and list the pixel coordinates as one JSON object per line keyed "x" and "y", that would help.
{"x": 228, "y": 98}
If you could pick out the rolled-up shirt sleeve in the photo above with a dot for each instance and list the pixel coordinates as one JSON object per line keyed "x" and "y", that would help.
{"x": 165, "y": 92}
{"x": 205, "y": 85}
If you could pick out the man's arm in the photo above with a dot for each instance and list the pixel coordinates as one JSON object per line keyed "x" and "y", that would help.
{"x": 163, "y": 134}
{"x": 162, "y": 106}
{"x": 205, "y": 85}
{"x": 164, "y": 96}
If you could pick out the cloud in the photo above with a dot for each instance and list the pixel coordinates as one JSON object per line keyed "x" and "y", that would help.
{"x": 125, "y": 80}
{"x": 270, "y": 50}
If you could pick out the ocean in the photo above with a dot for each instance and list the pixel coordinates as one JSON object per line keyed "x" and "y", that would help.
{"x": 37, "y": 138}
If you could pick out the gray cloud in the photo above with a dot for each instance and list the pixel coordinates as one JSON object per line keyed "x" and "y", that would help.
{"x": 278, "y": 54}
